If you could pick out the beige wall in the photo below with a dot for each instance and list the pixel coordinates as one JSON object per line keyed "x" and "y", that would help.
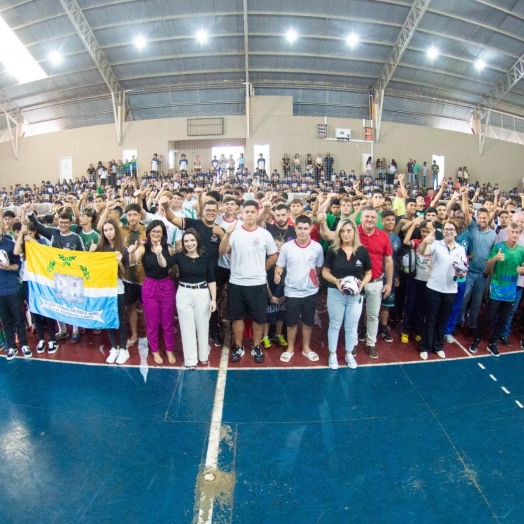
{"x": 271, "y": 122}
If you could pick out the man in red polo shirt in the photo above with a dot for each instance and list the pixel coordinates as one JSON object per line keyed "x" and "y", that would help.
{"x": 379, "y": 246}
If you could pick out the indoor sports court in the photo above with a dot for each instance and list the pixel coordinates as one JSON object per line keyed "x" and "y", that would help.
{"x": 396, "y": 440}
{"x": 113, "y": 102}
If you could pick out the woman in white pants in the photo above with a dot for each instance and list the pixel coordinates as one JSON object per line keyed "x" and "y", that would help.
{"x": 196, "y": 297}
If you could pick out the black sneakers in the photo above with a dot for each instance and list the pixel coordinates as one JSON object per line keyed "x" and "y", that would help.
{"x": 492, "y": 348}
{"x": 362, "y": 333}
{"x": 474, "y": 347}
{"x": 237, "y": 353}
{"x": 385, "y": 335}
{"x": 217, "y": 340}
{"x": 505, "y": 341}
{"x": 257, "y": 354}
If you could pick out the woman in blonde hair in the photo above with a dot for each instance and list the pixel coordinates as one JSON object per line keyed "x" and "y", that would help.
{"x": 346, "y": 257}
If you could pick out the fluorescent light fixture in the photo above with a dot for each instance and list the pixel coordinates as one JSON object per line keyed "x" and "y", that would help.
{"x": 140, "y": 42}
{"x": 56, "y": 58}
{"x": 291, "y": 35}
{"x": 433, "y": 52}
{"x": 352, "y": 40}
{"x": 17, "y": 60}
{"x": 480, "y": 64}
{"x": 202, "y": 36}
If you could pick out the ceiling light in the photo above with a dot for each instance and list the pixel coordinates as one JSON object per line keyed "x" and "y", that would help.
{"x": 433, "y": 52}
{"x": 202, "y": 36}
{"x": 480, "y": 64}
{"x": 291, "y": 35}
{"x": 17, "y": 60}
{"x": 352, "y": 40}
{"x": 55, "y": 57}
{"x": 140, "y": 42}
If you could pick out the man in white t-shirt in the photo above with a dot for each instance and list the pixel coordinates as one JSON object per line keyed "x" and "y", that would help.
{"x": 303, "y": 258}
{"x": 183, "y": 163}
{"x": 253, "y": 252}
{"x": 261, "y": 164}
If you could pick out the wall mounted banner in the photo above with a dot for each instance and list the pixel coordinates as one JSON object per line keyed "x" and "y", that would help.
{"x": 74, "y": 287}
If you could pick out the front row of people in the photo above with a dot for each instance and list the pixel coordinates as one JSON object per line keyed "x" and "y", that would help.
{"x": 362, "y": 252}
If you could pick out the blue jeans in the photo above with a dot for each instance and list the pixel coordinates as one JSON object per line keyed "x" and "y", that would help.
{"x": 343, "y": 309}
{"x": 457, "y": 306}
{"x": 435, "y": 182}
{"x": 507, "y": 328}
{"x": 476, "y": 284}
{"x": 424, "y": 180}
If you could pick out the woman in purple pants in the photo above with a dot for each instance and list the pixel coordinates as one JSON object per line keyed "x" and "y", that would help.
{"x": 158, "y": 291}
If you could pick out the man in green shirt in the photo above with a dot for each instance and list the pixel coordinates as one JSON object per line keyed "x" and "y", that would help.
{"x": 506, "y": 261}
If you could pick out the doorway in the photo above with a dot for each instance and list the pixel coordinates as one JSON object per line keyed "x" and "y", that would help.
{"x": 66, "y": 168}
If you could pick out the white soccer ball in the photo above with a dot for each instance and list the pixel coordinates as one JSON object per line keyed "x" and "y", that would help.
{"x": 4, "y": 258}
{"x": 461, "y": 264}
{"x": 350, "y": 286}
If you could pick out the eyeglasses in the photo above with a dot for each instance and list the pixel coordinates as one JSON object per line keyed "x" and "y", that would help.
{"x": 452, "y": 229}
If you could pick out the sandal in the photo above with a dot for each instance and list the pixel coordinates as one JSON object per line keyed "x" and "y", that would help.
{"x": 312, "y": 356}
{"x": 286, "y": 356}
{"x": 131, "y": 342}
{"x": 204, "y": 363}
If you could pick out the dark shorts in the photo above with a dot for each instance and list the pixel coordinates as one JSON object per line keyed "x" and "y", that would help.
{"x": 389, "y": 301}
{"x": 301, "y": 309}
{"x": 133, "y": 293}
{"x": 247, "y": 302}
{"x": 222, "y": 275}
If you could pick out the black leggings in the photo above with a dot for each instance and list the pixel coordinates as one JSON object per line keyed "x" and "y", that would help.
{"x": 111, "y": 333}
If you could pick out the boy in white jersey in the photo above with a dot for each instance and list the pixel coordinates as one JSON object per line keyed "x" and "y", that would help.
{"x": 303, "y": 258}
{"x": 253, "y": 250}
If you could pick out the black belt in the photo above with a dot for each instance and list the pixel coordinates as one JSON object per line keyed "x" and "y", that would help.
{"x": 379, "y": 279}
{"x": 200, "y": 285}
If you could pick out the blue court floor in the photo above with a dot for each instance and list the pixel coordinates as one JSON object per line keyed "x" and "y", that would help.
{"x": 432, "y": 442}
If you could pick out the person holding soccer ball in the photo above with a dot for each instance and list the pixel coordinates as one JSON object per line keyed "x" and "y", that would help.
{"x": 346, "y": 257}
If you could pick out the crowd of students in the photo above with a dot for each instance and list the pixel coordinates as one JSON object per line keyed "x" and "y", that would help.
{"x": 233, "y": 252}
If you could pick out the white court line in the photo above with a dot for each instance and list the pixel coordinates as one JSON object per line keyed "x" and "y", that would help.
{"x": 505, "y": 390}
{"x": 481, "y": 366}
{"x": 216, "y": 415}
{"x": 205, "y": 512}
{"x": 519, "y": 404}
{"x": 463, "y": 348}
{"x": 493, "y": 378}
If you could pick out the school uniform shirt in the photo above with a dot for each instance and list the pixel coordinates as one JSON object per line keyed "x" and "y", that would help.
{"x": 249, "y": 250}
{"x": 301, "y": 263}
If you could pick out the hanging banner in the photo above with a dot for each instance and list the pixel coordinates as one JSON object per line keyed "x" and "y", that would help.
{"x": 74, "y": 287}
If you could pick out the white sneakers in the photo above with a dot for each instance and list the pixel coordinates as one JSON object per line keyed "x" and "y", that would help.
{"x": 332, "y": 361}
{"x": 350, "y": 359}
{"x": 120, "y": 356}
{"x": 123, "y": 356}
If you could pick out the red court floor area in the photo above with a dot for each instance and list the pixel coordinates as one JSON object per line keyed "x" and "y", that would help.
{"x": 94, "y": 349}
